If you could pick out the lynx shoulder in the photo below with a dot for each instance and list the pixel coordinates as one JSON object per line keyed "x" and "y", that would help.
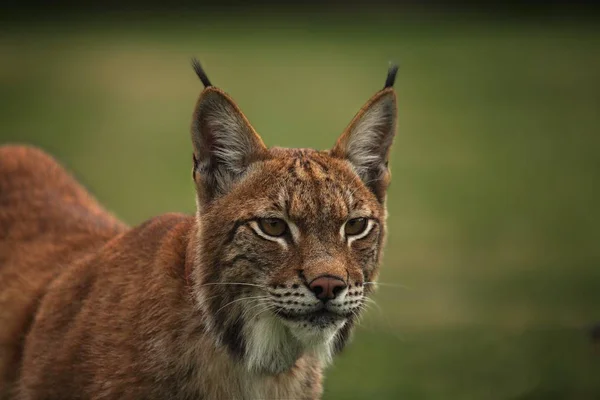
{"x": 249, "y": 298}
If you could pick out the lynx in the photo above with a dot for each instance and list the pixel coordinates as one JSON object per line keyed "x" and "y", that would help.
{"x": 250, "y": 298}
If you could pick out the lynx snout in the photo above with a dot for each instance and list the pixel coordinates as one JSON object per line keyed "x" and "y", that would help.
{"x": 327, "y": 287}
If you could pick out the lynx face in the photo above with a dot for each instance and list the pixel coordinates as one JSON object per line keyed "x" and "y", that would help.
{"x": 290, "y": 239}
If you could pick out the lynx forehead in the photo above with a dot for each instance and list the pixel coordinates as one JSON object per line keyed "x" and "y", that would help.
{"x": 249, "y": 298}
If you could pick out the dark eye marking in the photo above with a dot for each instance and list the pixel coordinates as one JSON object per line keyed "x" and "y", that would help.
{"x": 236, "y": 225}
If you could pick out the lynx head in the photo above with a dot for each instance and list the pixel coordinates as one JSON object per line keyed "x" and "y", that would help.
{"x": 289, "y": 240}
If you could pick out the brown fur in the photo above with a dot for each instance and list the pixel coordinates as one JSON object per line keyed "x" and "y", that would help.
{"x": 188, "y": 307}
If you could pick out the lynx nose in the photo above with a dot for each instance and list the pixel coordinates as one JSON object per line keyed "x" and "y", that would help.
{"x": 327, "y": 287}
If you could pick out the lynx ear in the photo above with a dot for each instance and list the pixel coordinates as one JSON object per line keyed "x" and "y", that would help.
{"x": 367, "y": 140}
{"x": 225, "y": 143}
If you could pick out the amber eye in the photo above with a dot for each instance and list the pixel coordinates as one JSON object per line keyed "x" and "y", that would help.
{"x": 355, "y": 226}
{"x": 273, "y": 226}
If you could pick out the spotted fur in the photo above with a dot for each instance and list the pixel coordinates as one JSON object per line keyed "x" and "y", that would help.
{"x": 184, "y": 307}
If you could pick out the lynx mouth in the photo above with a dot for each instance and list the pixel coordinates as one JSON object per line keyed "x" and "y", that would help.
{"x": 319, "y": 318}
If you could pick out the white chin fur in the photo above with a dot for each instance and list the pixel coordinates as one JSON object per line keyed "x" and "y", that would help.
{"x": 273, "y": 345}
{"x": 316, "y": 341}
{"x": 268, "y": 347}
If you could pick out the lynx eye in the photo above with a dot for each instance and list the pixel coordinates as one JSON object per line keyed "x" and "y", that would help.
{"x": 355, "y": 226}
{"x": 272, "y": 226}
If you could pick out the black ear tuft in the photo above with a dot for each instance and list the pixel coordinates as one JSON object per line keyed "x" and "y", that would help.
{"x": 391, "y": 76}
{"x": 195, "y": 161}
{"x": 200, "y": 72}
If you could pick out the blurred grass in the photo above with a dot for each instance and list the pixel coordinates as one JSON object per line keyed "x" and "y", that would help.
{"x": 493, "y": 255}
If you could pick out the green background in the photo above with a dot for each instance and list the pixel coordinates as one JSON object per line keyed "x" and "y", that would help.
{"x": 491, "y": 274}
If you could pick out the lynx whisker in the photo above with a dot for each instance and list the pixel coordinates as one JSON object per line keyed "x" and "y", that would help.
{"x": 255, "y": 305}
{"x": 233, "y": 283}
{"x": 266, "y": 308}
{"x": 369, "y": 301}
{"x": 395, "y": 285}
{"x": 240, "y": 299}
